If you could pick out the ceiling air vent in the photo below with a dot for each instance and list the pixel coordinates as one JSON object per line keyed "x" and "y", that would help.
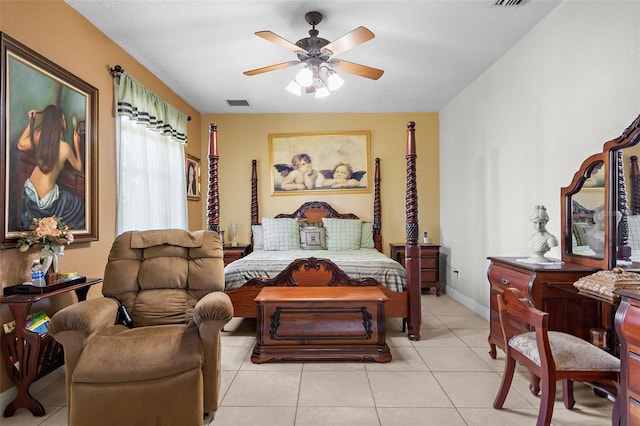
{"x": 508, "y": 2}
{"x": 237, "y": 102}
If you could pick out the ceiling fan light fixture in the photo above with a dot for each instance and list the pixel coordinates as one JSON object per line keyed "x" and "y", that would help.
{"x": 294, "y": 87}
{"x": 334, "y": 81}
{"x": 305, "y": 77}
{"x": 322, "y": 92}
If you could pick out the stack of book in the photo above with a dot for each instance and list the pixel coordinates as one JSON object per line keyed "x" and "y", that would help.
{"x": 37, "y": 322}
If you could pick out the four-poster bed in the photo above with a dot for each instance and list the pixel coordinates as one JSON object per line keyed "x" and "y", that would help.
{"x": 364, "y": 264}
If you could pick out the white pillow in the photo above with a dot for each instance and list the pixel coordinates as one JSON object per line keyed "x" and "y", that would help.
{"x": 342, "y": 234}
{"x": 366, "y": 240}
{"x": 280, "y": 234}
{"x": 258, "y": 241}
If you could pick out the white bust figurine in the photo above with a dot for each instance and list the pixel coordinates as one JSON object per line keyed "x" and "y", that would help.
{"x": 541, "y": 241}
{"x": 595, "y": 236}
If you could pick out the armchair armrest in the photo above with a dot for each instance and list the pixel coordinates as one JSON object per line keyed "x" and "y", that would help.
{"x": 74, "y": 325}
{"x": 86, "y": 317}
{"x": 215, "y": 306}
{"x": 210, "y": 314}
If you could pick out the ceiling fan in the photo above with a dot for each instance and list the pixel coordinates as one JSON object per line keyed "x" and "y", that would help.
{"x": 317, "y": 54}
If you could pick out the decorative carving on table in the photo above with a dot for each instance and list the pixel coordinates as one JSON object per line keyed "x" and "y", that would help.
{"x": 604, "y": 283}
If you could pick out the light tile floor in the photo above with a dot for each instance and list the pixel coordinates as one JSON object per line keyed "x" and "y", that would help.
{"x": 446, "y": 378}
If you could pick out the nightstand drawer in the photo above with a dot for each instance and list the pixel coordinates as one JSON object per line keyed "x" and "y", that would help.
{"x": 430, "y": 262}
{"x": 232, "y": 253}
{"x": 428, "y": 276}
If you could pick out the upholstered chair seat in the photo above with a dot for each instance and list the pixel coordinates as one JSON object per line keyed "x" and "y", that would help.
{"x": 569, "y": 352}
{"x": 164, "y": 367}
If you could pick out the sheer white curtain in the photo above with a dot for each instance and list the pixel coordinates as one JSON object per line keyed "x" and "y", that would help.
{"x": 151, "y": 135}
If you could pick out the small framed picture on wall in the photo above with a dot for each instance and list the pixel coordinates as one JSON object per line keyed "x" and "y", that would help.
{"x": 192, "y": 168}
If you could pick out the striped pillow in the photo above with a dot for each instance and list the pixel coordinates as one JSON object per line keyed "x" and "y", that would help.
{"x": 342, "y": 234}
{"x": 280, "y": 234}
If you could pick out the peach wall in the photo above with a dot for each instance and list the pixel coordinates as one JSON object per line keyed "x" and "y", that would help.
{"x": 60, "y": 34}
{"x": 243, "y": 137}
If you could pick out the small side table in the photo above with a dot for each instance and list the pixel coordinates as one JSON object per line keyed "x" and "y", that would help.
{"x": 232, "y": 253}
{"x": 29, "y": 356}
{"x": 429, "y": 264}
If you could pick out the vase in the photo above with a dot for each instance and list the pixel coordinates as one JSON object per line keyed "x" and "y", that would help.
{"x": 233, "y": 230}
{"x": 50, "y": 260}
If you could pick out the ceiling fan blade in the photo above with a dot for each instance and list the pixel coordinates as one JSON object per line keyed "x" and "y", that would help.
{"x": 357, "y": 69}
{"x": 275, "y": 38}
{"x": 271, "y": 68}
{"x": 349, "y": 40}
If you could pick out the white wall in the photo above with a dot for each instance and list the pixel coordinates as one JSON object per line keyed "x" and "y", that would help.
{"x": 519, "y": 132}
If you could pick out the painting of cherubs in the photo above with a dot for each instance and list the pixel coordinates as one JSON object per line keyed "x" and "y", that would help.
{"x": 320, "y": 162}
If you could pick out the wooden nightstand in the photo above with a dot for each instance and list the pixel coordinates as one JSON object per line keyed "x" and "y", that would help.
{"x": 429, "y": 264}
{"x": 232, "y": 253}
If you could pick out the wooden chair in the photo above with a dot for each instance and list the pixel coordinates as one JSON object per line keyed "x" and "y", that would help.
{"x": 550, "y": 356}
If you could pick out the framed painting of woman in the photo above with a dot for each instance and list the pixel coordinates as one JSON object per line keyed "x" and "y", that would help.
{"x": 49, "y": 145}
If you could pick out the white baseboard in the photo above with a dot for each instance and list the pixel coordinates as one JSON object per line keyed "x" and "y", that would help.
{"x": 9, "y": 395}
{"x": 468, "y": 302}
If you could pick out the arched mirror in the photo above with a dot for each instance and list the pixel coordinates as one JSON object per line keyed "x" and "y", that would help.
{"x": 584, "y": 203}
{"x": 601, "y": 206}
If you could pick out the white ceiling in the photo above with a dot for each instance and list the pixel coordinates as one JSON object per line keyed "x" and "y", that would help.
{"x": 429, "y": 49}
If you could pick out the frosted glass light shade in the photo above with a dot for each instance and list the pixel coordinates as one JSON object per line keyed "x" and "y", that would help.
{"x": 305, "y": 77}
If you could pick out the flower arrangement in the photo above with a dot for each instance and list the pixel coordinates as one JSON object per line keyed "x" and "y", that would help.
{"x": 52, "y": 235}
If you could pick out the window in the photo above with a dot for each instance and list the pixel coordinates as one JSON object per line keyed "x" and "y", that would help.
{"x": 151, "y": 136}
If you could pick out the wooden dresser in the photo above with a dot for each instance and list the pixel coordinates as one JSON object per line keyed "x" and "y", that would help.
{"x": 550, "y": 288}
{"x": 429, "y": 263}
{"x": 628, "y": 330}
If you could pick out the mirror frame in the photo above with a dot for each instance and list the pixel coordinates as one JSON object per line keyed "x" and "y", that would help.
{"x": 609, "y": 155}
{"x": 566, "y": 209}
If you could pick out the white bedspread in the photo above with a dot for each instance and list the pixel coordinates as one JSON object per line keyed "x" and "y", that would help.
{"x": 355, "y": 263}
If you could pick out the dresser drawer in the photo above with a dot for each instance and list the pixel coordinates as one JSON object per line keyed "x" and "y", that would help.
{"x": 634, "y": 412}
{"x": 633, "y": 370}
{"x": 502, "y": 276}
{"x": 631, "y": 327}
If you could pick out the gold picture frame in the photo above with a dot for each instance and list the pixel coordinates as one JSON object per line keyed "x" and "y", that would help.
{"x": 192, "y": 165}
{"x": 306, "y": 163}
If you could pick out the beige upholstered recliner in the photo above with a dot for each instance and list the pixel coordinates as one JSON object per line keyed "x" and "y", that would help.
{"x": 166, "y": 368}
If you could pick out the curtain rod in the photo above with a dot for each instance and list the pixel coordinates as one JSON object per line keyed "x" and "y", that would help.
{"x": 117, "y": 70}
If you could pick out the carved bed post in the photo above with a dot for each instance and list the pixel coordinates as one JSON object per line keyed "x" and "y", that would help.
{"x": 213, "y": 200}
{"x": 624, "y": 249}
{"x": 377, "y": 210}
{"x": 254, "y": 194}
{"x": 635, "y": 185}
{"x": 412, "y": 249}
